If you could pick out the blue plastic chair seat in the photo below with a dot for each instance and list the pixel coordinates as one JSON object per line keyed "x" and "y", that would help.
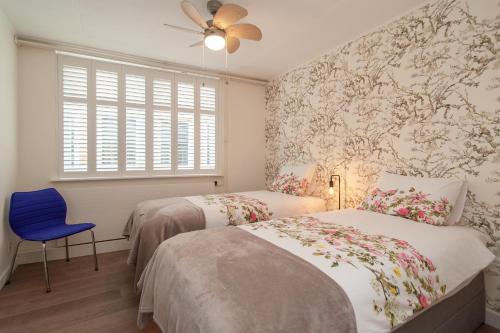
{"x": 56, "y": 231}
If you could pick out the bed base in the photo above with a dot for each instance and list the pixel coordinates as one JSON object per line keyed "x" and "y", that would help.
{"x": 463, "y": 312}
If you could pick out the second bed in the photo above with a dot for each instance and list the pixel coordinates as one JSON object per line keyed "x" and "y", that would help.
{"x": 154, "y": 221}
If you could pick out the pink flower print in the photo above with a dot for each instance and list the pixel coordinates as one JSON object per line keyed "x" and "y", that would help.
{"x": 423, "y": 301}
{"x": 402, "y": 243}
{"x": 430, "y": 264}
{"x": 403, "y": 211}
{"x": 421, "y": 214}
{"x": 253, "y": 217}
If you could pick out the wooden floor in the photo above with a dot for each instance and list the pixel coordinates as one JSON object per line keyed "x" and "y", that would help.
{"x": 81, "y": 300}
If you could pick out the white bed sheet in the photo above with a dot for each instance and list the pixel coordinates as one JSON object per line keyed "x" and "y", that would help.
{"x": 280, "y": 204}
{"x": 458, "y": 252}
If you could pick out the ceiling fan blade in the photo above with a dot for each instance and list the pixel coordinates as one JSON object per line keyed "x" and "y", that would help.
{"x": 182, "y": 29}
{"x": 200, "y": 43}
{"x": 228, "y": 14}
{"x": 245, "y": 31}
{"x": 190, "y": 10}
{"x": 232, "y": 44}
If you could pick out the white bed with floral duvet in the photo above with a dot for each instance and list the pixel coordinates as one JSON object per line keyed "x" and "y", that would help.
{"x": 390, "y": 269}
{"x": 370, "y": 269}
{"x": 154, "y": 221}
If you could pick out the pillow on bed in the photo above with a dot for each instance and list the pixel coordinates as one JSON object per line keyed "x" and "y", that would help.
{"x": 436, "y": 201}
{"x": 294, "y": 179}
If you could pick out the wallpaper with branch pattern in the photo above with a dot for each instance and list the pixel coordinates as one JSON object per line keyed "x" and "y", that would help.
{"x": 419, "y": 96}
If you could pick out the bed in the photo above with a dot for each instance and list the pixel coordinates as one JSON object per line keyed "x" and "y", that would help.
{"x": 344, "y": 271}
{"x": 154, "y": 221}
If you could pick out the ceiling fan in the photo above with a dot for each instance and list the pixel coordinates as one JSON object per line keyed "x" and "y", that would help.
{"x": 220, "y": 31}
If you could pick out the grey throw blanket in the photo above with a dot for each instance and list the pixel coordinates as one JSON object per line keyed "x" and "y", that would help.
{"x": 155, "y": 221}
{"x": 228, "y": 280}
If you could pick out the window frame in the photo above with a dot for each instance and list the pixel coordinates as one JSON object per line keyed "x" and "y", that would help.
{"x": 150, "y": 74}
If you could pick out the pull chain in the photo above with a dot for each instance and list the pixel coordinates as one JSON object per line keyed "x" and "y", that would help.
{"x": 203, "y": 56}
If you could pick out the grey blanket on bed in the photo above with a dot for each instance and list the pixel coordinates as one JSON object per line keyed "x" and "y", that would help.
{"x": 155, "y": 221}
{"x": 227, "y": 280}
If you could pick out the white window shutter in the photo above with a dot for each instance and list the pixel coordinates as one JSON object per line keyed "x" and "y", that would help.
{"x": 185, "y": 141}
{"x": 118, "y": 120}
{"x": 207, "y": 142}
{"x": 75, "y": 137}
{"x": 162, "y": 125}
{"x": 106, "y": 121}
{"x": 106, "y": 138}
{"x": 162, "y": 147}
{"x": 74, "y": 81}
{"x": 185, "y": 95}
{"x": 208, "y": 98}
{"x": 208, "y": 124}
{"x": 74, "y": 122}
{"x": 135, "y": 91}
{"x": 135, "y": 118}
{"x": 135, "y": 139}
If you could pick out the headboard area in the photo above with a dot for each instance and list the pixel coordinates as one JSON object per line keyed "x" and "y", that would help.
{"x": 419, "y": 96}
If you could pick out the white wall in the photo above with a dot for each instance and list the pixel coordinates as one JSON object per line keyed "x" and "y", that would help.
{"x": 109, "y": 203}
{"x": 8, "y": 130}
{"x": 245, "y": 127}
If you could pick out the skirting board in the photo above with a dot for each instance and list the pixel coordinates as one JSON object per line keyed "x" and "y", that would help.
{"x": 492, "y": 318}
{"x": 56, "y": 253}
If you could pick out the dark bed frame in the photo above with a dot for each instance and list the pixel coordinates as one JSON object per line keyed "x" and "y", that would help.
{"x": 462, "y": 312}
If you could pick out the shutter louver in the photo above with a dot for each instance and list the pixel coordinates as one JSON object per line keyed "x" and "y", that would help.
{"x": 75, "y": 119}
{"x": 74, "y": 82}
{"x": 185, "y": 141}
{"x": 207, "y": 142}
{"x": 162, "y": 125}
{"x": 106, "y": 86}
{"x": 135, "y": 139}
{"x": 185, "y": 95}
{"x": 135, "y": 91}
{"x": 135, "y": 131}
{"x": 107, "y": 121}
{"x": 75, "y": 137}
{"x": 162, "y": 140}
{"x": 207, "y": 99}
{"x": 106, "y": 138}
{"x": 162, "y": 93}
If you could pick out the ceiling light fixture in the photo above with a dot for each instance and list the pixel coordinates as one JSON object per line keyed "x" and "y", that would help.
{"x": 215, "y": 40}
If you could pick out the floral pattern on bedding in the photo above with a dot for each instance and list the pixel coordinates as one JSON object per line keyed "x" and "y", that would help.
{"x": 404, "y": 280}
{"x": 413, "y": 205}
{"x": 240, "y": 209}
{"x": 289, "y": 183}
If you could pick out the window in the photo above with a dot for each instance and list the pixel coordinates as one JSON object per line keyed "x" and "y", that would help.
{"x": 121, "y": 120}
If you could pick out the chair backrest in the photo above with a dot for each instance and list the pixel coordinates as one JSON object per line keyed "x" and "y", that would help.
{"x": 36, "y": 210}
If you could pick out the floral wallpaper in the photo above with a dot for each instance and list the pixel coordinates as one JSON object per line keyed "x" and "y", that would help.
{"x": 419, "y": 96}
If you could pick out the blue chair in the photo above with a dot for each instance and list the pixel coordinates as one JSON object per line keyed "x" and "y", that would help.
{"x": 40, "y": 216}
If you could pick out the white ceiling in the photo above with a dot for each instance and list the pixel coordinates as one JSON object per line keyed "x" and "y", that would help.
{"x": 295, "y": 31}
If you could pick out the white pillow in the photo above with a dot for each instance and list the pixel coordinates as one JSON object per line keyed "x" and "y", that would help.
{"x": 294, "y": 179}
{"x": 437, "y": 201}
{"x": 456, "y": 213}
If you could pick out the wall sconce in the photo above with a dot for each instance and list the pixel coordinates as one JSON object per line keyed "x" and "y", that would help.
{"x": 331, "y": 189}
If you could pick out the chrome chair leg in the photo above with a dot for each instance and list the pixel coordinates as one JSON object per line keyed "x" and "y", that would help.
{"x": 67, "y": 249}
{"x": 46, "y": 270}
{"x": 95, "y": 252}
{"x": 13, "y": 261}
